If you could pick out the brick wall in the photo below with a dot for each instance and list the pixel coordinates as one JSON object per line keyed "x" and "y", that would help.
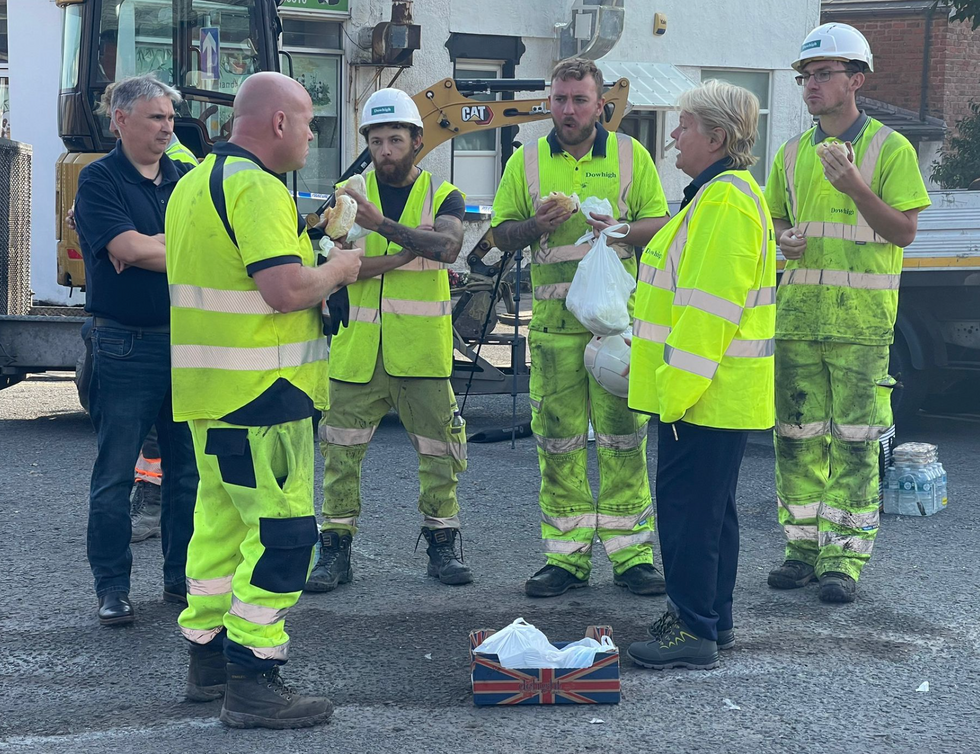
{"x": 898, "y": 43}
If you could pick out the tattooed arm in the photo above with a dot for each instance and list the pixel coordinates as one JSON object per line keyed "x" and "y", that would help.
{"x": 512, "y": 235}
{"x": 440, "y": 243}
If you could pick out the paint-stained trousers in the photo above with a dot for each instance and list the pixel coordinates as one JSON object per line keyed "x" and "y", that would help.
{"x": 833, "y": 402}
{"x": 563, "y": 395}
{"x": 425, "y": 407}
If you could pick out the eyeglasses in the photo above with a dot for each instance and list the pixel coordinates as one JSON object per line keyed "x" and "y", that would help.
{"x": 822, "y": 77}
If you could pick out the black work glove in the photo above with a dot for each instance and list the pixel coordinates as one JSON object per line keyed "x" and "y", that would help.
{"x": 336, "y": 312}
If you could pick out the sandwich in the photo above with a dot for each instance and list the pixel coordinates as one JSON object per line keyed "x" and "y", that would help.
{"x": 568, "y": 203}
{"x": 340, "y": 218}
{"x": 827, "y": 148}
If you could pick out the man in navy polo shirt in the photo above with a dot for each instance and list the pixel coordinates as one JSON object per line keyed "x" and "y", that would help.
{"x": 120, "y": 207}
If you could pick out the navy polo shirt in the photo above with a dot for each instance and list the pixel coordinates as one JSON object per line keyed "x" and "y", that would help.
{"x": 112, "y": 198}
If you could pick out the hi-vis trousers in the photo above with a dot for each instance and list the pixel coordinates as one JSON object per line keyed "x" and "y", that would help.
{"x": 563, "y": 394}
{"x": 833, "y": 402}
{"x": 425, "y": 407}
{"x": 254, "y": 531}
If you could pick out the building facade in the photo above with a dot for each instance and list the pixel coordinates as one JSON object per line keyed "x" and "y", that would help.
{"x": 328, "y": 46}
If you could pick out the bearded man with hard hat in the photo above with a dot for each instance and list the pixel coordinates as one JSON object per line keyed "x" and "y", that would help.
{"x": 845, "y": 197}
{"x": 397, "y": 349}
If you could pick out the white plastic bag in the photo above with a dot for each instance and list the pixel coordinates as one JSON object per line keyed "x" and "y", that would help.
{"x": 581, "y": 653}
{"x": 519, "y": 645}
{"x": 600, "y": 291}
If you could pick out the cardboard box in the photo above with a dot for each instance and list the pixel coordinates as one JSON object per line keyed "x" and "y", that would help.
{"x": 494, "y": 684}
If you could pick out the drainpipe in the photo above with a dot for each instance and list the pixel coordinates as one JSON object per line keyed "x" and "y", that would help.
{"x": 926, "y": 51}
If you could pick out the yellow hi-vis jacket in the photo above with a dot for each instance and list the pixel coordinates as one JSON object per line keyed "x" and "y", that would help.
{"x": 844, "y": 289}
{"x": 227, "y": 345}
{"x": 407, "y": 312}
{"x": 703, "y": 336}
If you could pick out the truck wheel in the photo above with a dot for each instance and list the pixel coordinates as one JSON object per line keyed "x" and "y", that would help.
{"x": 83, "y": 375}
{"x": 908, "y": 398}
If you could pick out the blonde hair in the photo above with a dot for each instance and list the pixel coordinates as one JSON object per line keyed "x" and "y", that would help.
{"x": 578, "y": 69}
{"x": 733, "y": 109}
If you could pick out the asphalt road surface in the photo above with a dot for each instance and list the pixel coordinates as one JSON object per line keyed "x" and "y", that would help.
{"x": 391, "y": 648}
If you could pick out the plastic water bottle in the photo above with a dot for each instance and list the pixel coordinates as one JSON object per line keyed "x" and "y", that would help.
{"x": 943, "y": 493}
{"x": 890, "y": 502}
{"x": 908, "y": 502}
{"x": 927, "y": 490}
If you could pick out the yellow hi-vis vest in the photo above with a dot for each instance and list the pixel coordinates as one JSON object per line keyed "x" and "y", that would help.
{"x": 705, "y": 311}
{"x": 407, "y": 312}
{"x": 179, "y": 153}
{"x": 845, "y": 287}
{"x": 228, "y": 346}
{"x": 555, "y": 256}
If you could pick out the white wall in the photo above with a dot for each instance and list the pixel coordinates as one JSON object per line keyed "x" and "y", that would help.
{"x": 695, "y": 39}
{"x": 34, "y": 29}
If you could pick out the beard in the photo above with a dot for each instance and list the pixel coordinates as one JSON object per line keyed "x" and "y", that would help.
{"x": 395, "y": 173}
{"x": 572, "y": 136}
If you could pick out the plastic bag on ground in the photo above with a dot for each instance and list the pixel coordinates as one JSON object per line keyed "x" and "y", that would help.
{"x": 600, "y": 291}
{"x": 521, "y": 645}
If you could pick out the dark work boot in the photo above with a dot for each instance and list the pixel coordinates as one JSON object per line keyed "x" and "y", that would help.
{"x": 145, "y": 511}
{"x": 262, "y": 700}
{"x": 115, "y": 609}
{"x": 206, "y": 672}
{"x": 674, "y": 646}
{"x": 726, "y": 638}
{"x": 643, "y": 578}
{"x": 791, "y": 575}
{"x": 551, "y": 581}
{"x": 333, "y": 567}
{"x": 444, "y": 562}
{"x": 837, "y": 587}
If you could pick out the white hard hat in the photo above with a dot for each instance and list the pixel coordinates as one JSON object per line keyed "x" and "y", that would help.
{"x": 606, "y": 358}
{"x": 835, "y": 42}
{"x": 389, "y": 106}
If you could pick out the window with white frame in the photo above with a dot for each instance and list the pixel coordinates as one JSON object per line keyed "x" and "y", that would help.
{"x": 476, "y": 155}
{"x": 759, "y": 83}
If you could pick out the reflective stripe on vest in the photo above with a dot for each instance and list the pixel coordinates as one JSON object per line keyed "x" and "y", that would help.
{"x": 185, "y": 296}
{"x": 860, "y": 231}
{"x": 266, "y": 358}
{"x": 666, "y": 279}
{"x": 869, "y": 281}
{"x": 546, "y": 254}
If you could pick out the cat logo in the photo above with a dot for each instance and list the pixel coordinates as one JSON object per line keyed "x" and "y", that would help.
{"x": 479, "y": 114}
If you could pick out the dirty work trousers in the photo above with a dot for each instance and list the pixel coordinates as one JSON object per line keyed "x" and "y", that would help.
{"x": 254, "y": 531}
{"x": 563, "y": 394}
{"x": 833, "y": 402}
{"x": 425, "y": 407}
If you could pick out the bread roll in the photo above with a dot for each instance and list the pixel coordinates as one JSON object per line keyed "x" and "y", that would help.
{"x": 826, "y": 148}
{"x": 355, "y": 183}
{"x": 340, "y": 218}
{"x": 567, "y": 203}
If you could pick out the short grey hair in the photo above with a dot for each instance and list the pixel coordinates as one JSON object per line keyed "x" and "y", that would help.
{"x": 733, "y": 109}
{"x": 126, "y": 92}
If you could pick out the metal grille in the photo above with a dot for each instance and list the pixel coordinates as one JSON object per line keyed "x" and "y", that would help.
{"x": 15, "y": 227}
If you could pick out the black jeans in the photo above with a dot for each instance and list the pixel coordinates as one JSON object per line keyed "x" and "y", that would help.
{"x": 696, "y": 478}
{"x": 129, "y": 393}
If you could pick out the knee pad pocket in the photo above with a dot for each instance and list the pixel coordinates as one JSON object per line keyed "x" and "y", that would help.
{"x": 285, "y": 562}
{"x": 234, "y": 454}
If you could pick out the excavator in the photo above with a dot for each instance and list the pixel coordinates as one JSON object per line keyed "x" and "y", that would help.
{"x": 179, "y": 41}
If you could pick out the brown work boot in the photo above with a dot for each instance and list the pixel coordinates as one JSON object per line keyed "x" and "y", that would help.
{"x": 262, "y": 700}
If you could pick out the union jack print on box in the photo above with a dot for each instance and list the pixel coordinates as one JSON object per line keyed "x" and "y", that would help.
{"x": 495, "y": 684}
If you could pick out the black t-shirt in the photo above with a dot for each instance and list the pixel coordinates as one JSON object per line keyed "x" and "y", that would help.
{"x": 394, "y": 199}
{"x": 113, "y": 198}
